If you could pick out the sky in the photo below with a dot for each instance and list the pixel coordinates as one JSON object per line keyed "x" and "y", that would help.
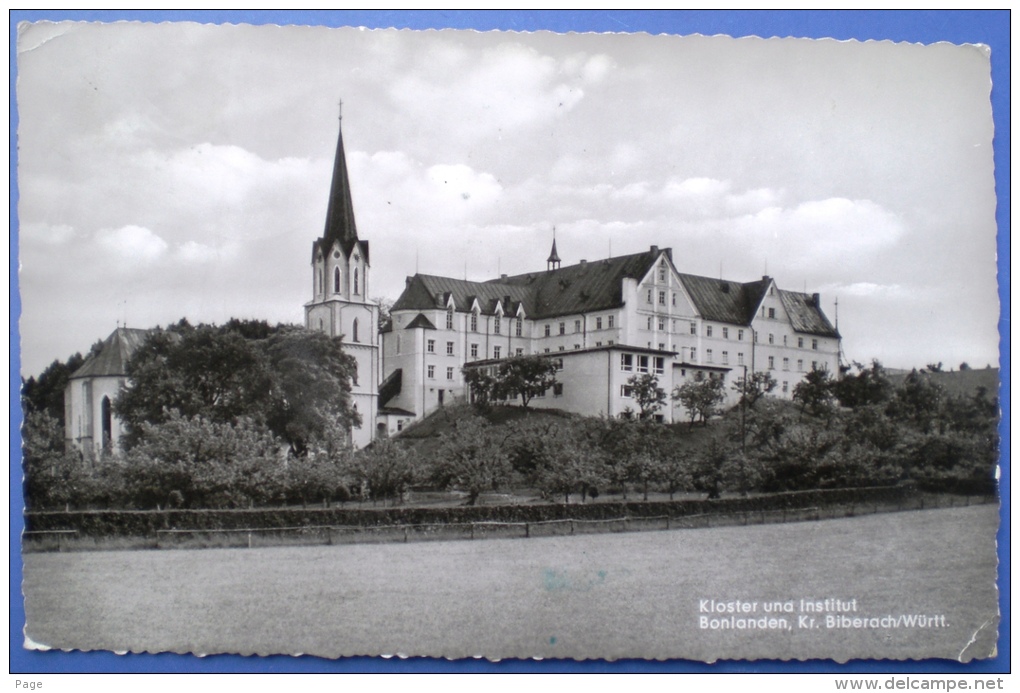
{"x": 182, "y": 170}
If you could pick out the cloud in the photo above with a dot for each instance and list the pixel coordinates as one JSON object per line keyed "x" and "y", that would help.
{"x": 46, "y": 234}
{"x": 132, "y": 243}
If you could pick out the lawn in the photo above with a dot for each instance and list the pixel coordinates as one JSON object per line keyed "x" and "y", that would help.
{"x": 604, "y": 595}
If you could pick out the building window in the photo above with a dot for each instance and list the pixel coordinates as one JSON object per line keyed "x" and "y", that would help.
{"x": 649, "y": 295}
{"x": 662, "y": 272}
{"x": 648, "y": 323}
{"x": 598, "y": 344}
{"x": 577, "y": 346}
{"x": 520, "y": 351}
{"x": 772, "y": 362}
{"x": 660, "y": 365}
{"x": 611, "y": 319}
{"x": 708, "y": 356}
{"x": 562, "y": 348}
{"x": 496, "y": 322}
{"x": 772, "y": 313}
{"x": 356, "y": 290}
{"x": 336, "y": 280}
{"x": 814, "y": 365}
{"x": 814, "y": 344}
{"x": 786, "y": 364}
{"x": 694, "y": 328}
{"x": 558, "y": 363}
{"x": 548, "y": 330}
{"x": 662, "y": 324}
{"x": 784, "y": 340}
{"x": 726, "y": 358}
{"x": 432, "y": 371}
{"x": 545, "y": 351}
{"x": 496, "y": 352}
{"x": 354, "y": 373}
{"x": 598, "y": 323}
{"x": 662, "y": 346}
{"x": 740, "y": 335}
{"x": 662, "y": 298}
{"x": 354, "y": 331}
{"x": 642, "y": 364}
{"x": 725, "y": 333}
{"x": 800, "y": 365}
{"x": 474, "y": 351}
{"x": 431, "y": 346}
{"x": 626, "y": 362}
{"x": 557, "y": 389}
{"x": 474, "y": 322}
{"x": 449, "y": 319}
{"x": 708, "y": 330}
{"x": 626, "y": 391}
{"x": 772, "y": 338}
{"x": 740, "y": 358}
{"x": 449, "y": 373}
{"x": 519, "y": 329}
{"x": 674, "y": 298}
{"x": 694, "y": 355}
{"x": 400, "y": 425}
{"x": 800, "y": 342}
{"x": 449, "y": 348}
{"x": 577, "y": 326}
{"x": 563, "y": 328}
{"x": 786, "y": 386}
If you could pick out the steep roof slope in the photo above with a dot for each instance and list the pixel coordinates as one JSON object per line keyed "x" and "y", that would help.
{"x": 113, "y": 355}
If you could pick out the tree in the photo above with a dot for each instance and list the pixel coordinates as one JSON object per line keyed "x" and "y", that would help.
{"x": 295, "y": 381}
{"x": 385, "y": 306}
{"x": 919, "y": 401}
{"x": 472, "y": 457}
{"x": 311, "y": 386}
{"x": 701, "y": 398}
{"x": 753, "y": 387}
{"x": 863, "y": 386}
{"x": 387, "y": 469}
{"x": 481, "y": 385}
{"x": 198, "y": 463}
{"x": 46, "y": 393}
{"x": 814, "y": 393}
{"x": 525, "y": 377}
{"x": 204, "y": 371}
{"x": 647, "y": 394}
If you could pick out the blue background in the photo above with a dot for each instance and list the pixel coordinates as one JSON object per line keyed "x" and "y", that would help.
{"x": 988, "y": 27}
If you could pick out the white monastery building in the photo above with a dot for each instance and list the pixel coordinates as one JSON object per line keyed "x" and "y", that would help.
{"x": 603, "y": 321}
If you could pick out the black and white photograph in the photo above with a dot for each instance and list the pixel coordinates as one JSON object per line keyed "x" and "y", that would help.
{"x": 341, "y": 342}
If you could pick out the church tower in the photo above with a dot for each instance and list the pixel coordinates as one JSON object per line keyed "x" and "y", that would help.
{"x": 340, "y": 305}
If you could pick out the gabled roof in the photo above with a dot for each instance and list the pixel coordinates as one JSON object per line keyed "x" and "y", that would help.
{"x": 806, "y": 315}
{"x": 113, "y": 355}
{"x": 574, "y": 289}
{"x": 390, "y": 387}
{"x": 420, "y": 321}
{"x": 721, "y": 300}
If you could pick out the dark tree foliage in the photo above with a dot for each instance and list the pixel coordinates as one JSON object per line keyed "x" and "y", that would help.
{"x": 701, "y": 399}
{"x": 472, "y": 457}
{"x": 297, "y": 382}
{"x": 46, "y": 393}
{"x": 863, "y": 386}
{"x": 647, "y": 393}
{"x": 524, "y": 377}
{"x": 755, "y": 386}
{"x": 814, "y": 393}
{"x": 921, "y": 402}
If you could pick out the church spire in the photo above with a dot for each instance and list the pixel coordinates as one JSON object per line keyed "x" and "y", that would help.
{"x": 340, "y": 212}
{"x": 554, "y": 258}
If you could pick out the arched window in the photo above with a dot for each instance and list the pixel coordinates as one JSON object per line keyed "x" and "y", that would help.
{"x": 354, "y": 330}
{"x": 107, "y": 415}
{"x": 336, "y": 280}
{"x": 356, "y": 280}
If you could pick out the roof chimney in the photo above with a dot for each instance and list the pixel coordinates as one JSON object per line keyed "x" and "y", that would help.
{"x": 654, "y": 250}
{"x": 816, "y": 299}
{"x": 584, "y": 262}
{"x": 407, "y": 281}
{"x": 765, "y": 277}
{"x": 502, "y": 276}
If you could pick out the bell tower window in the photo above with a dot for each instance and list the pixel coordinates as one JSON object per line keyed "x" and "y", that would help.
{"x": 336, "y": 280}
{"x": 354, "y": 329}
{"x": 356, "y": 291}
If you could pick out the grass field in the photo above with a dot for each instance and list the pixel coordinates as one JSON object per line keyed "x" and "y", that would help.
{"x": 604, "y": 595}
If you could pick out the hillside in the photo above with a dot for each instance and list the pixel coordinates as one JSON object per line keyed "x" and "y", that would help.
{"x": 961, "y": 383}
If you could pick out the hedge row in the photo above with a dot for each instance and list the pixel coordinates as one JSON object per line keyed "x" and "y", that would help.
{"x": 135, "y": 523}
